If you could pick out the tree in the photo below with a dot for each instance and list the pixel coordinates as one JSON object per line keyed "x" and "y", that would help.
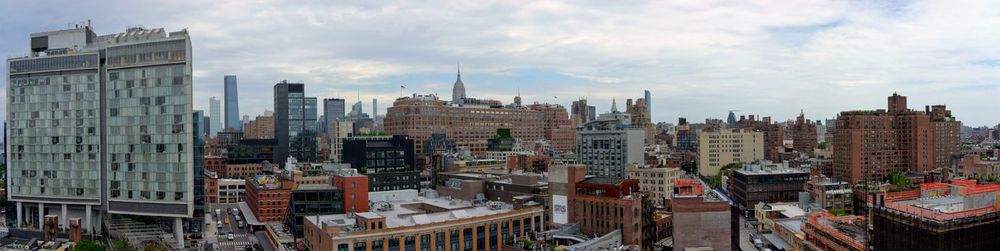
{"x": 822, "y": 145}
{"x": 527, "y": 244}
{"x": 689, "y": 167}
{"x": 88, "y": 245}
{"x": 838, "y": 212}
{"x": 898, "y": 180}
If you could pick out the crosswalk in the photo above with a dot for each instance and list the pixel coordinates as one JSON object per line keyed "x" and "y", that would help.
{"x": 239, "y": 240}
{"x": 235, "y": 244}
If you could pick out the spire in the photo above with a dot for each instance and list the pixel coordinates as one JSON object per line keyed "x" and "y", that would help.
{"x": 614, "y": 107}
{"x": 459, "y": 72}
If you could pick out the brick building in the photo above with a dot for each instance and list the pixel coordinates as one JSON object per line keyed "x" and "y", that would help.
{"x": 355, "y": 188}
{"x": 268, "y": 197}
{"x": 773, "y": 135}
{"x": 557, "y": 128}
{"x": 868, "y": 145}
{"x": 804, "y": 138}
{"x": 701, "y": 223}
{"x": 469, "y": 126}
{"x": 261, "y": 127}
{"x": 604, "y": 204}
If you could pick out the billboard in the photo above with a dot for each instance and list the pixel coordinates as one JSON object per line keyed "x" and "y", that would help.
{"x": 560, "y": 210}
{"x": 269, "y": 181}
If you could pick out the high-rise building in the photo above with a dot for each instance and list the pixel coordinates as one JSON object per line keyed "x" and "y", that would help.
{"x": 640, "y": 119}
{"x": 336, "y": 132}
{"x": 687, "y": 138}
{"x": 557, "y": 127}
{"x": 774, "y": 134}
{"x": 720, "y": 148}
{"x": 804, "y": 138}
{"x": 261, "y": 127}
{"x": 215, "y": 113}
{"x": 294, "y": 123}
{"x": 581, "y": 112}
{"x": 92, "y": 120}
{"x": 422, "y": 115}
{"x": 333, "y": 110}
{"x": 946, "y": 135}
{"x": 374, "y": 108}
{"x": 649, "y": 103}
{"x": 232, "y": 104}
{"x": 609, "y": 144}
{"x": 731, "y": 119}
{"x": 458, "y": 91}
{"x": 869, "y": 145}
{"x": 194, "y": 224}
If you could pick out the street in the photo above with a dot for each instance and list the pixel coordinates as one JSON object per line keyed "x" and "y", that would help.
{"x": 242, "y": 238}
{"x": 746, "y": 244}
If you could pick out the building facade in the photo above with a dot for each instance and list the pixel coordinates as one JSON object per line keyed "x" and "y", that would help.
{"x": 869, "y": 145}
{"x": 766, "y": 182}
{"x": 215, "y": 114}
{"x": 388, "y": 161}
{"x": 557, "y": 127}
{"x": 468, "y": 126}
{"x": 719, "y": 148}
{"x": 89, "y": 118}
{"x": 232, "y": 104}
{"x": 268, "y": 197}
{"x": 445, "y": 226}
{"x": 804, "y": 138}
{"x": 608, "y": 145}
{"x": 659, "y": 182}
{"x": 701, "y": 224}
{"x": 604, "y": 204}
{"x": 294, "y": 123}
{"x": 261, "y": 127}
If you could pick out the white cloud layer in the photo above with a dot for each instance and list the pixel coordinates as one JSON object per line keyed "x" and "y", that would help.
{"x": 699, "y": 58}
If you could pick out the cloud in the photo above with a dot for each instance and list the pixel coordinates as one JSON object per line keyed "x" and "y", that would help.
{"x": 699, "y": 58}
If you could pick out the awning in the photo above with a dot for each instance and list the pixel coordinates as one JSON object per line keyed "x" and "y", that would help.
{"x": 777, "y": 242}
{"x": 248, "y": 215}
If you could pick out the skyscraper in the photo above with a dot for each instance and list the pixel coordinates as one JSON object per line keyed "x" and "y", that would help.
{"x": 458, "y": 91}
{"x": 294, "y": 123}
{"x": 649, "y": 104}
{"x": 194, "y": 224}
{"x": 119, "y": 141}
{"x": 333, "y": 110}
{"x": 232, "y": 104}
{"x": 374, "y": 108}
{"x": 581, "y": 113}
{"x": 215, "y": 112}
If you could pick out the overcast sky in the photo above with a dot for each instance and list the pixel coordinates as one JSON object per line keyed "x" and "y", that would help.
{"x": 698, "y": 58}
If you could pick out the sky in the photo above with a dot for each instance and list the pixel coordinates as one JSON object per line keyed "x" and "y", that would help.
{"x": 699, "y": 59}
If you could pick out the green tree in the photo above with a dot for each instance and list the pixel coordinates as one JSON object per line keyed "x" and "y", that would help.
{"x": 88, "y": 245}
{"x": 119, "y": 245}
{"x": 822, "y": 145}
{"x": 898, "y": 180}
{"x": 527, "y": 244}
{"x": 689, "y": 167}
{"x": 838, "y": 212}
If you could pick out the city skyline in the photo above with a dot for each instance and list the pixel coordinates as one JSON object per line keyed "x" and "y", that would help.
{"x": 814, "y": 59}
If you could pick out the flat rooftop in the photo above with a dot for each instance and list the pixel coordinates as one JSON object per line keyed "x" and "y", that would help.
{"x": 416, "y": 211}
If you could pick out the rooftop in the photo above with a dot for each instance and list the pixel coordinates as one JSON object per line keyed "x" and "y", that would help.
{"x": 415, "y": 211}
{"x": 604, "y": 180}
{"x": 943, "y": 202}
{"x": 768, "y": 168}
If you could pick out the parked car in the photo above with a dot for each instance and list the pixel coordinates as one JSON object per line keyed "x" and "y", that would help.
{"x": 231, "y": 237}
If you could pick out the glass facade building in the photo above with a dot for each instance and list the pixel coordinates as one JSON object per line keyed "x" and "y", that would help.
{"x": 101, "y": 124}
{"x": 232, "y": 104}
{"x": 294, "y": 123}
